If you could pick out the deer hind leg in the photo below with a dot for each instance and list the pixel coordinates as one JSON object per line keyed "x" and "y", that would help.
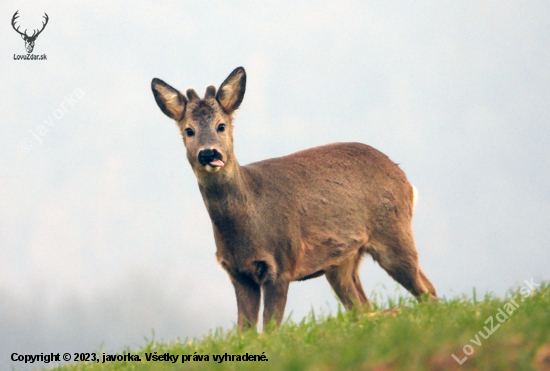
{"x": 397, "y": 255}
{"x": 344, "y": 280}
{"x": 427, "y": 283}
{"x": 359, "y": 288}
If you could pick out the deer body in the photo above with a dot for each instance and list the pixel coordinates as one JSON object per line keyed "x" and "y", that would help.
{"x": 295, "y": 217}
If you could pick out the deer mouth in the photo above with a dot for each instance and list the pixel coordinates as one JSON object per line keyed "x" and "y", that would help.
{"x": 211, "y": 159}
{"x": 214, "y": 166}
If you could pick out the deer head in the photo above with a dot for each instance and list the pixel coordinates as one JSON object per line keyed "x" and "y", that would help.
{"x": 29, "y": 40}
{"x": 205, "y": 124}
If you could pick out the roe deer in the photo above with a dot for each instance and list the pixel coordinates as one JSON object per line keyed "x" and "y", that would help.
{"x": 295, "y": 217}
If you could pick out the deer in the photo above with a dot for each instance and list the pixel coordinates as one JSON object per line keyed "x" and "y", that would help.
{"x": 29, "y": 40}
{"x": 292, "y": 218}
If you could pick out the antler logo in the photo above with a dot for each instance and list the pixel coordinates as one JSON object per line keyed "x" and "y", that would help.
{"x": 29, "y": 40}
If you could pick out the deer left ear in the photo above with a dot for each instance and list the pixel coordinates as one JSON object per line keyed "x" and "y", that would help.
{"x": 23, "y": 37}
{"x": 169, "y": 100}
{"x": 231, "y": 92}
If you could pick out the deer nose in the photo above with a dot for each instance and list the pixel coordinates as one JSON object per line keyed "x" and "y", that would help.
{"x": 206, "y": 156}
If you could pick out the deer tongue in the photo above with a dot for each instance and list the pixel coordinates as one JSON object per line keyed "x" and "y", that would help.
{"x": 216, "y": 163}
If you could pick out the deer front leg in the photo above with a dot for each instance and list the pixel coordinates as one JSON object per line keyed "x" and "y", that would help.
{"x": 275, "y": 293}
{"x": 248, "y": 301}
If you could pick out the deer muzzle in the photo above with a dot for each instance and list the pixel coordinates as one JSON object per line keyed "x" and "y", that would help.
{"x": 211, "y": 159}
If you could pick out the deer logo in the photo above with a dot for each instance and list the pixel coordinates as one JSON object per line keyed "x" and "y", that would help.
{"x": 29, "y": 40}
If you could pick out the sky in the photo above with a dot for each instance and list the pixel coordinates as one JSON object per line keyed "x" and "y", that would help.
{"x": 104, "y": 238}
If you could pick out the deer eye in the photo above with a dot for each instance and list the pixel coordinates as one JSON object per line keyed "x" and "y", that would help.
{"x": 221, "y": 127}
{"x": 189, "y": 132}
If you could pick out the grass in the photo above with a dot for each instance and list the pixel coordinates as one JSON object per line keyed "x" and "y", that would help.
{"x": 412, "y": 337}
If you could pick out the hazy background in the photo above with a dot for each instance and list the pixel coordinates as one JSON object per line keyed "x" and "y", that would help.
{"x": 103, "y": 233}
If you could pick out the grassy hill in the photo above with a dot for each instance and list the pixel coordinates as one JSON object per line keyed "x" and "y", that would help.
{"x": 508, "y": 333}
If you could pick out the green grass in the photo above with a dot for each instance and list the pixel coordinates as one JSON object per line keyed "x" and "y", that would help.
{"x": 413, "y": 337}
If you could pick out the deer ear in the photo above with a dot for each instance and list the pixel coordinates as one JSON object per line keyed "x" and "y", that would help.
{"x": 169, "y": 100}
{"x": 231, "y": 92}
{"x": 23, "y": 36}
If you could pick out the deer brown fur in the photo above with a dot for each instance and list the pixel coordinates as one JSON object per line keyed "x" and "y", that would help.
{"x": 295, "y": 217}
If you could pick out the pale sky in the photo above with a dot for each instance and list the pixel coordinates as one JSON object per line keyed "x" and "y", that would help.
{"x": 104, "y": 236}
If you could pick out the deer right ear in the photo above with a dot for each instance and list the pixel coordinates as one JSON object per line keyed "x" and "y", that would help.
{"x": 169, "y": 100}
{"x": 231, "y": 92}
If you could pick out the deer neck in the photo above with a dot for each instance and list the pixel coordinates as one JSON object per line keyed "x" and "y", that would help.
{"x": 226, "y": 195}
